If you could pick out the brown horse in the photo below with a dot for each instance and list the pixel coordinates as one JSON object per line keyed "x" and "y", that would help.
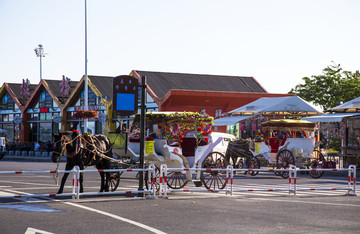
{"x": 83, "y": 150}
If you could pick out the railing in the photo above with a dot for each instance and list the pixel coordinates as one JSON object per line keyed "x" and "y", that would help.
{"x": 229, "y": 189}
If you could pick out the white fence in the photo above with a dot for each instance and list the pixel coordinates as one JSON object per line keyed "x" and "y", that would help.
{"x": 229, "y": 189}
{"x": 163, "y": 191}
{"x": 74, "y": 182}
{"x": 76, "y": 186}
{"x": 151, "y": 182}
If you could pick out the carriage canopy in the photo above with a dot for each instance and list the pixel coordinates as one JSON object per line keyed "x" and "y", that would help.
{"x": 288, "y": 125}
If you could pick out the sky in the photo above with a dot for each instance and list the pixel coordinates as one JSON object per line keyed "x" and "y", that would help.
{"x": 278, "y": 42}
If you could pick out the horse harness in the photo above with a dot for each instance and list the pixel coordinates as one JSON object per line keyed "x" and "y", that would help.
{"x": 80, "y": 143}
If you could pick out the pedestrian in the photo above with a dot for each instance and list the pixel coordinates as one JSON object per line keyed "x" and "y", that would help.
{"x": 49, "y": 147}
{"x": 37, "y": 146}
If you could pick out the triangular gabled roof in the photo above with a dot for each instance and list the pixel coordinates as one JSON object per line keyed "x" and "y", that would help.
{"x": 350, "y": 106}
{"x": 104, "y": 84}
{"x": 160, "y": 83}
{"x": 284, "y": 105}
{"x": 100, "y": 85}
{"x": 53, "y": 88}
{"x": 14, "y": 90}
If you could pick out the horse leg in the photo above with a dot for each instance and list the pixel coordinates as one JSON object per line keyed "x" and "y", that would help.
{"x": 102, "y": 187}
{"x": 68, "y": 167}
{"x": 63, "y": 180}
{"x": 107, "y": 179}
{"x": 81, "y": 166}
{"x": 81, "y": 182}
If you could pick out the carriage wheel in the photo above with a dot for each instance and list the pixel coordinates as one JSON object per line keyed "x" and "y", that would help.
{"x": 157, "y": 180}
{"x": 176, "y": 180}
{"x": 253, "y": 163}
{"x": 114, "y": 180}
{"x": 283, "y": 161}
{"x": 214, "y": 179}
{"x": 317, "y": 162}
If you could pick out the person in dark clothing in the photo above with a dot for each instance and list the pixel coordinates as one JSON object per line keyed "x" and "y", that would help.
{"x": 49, "y": 147}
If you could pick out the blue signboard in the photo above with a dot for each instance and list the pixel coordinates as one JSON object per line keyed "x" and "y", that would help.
{"x": 125, "y": 95}
{"x": 125, "y": 101}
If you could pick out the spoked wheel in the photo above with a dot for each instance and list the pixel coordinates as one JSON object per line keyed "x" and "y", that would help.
{"x": 317, "y": 162}
{"x": 253, "y": 163}
{"x": 214, "y": 179}
{"x": 239, "y": 163}
{"x": 114, "y": 180}
{"x": 176, "y": 180}
{"x": 283, "y": 161}
{"x": 157, "y": 180}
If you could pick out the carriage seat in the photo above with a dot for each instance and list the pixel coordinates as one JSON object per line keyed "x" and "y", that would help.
{"x": 188, "y": 146}
{"x": 274, "y": 144}
{"x": 137, "y": 139}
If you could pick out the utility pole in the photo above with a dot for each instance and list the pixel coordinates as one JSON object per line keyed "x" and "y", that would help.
{"x": 39, "y": 51}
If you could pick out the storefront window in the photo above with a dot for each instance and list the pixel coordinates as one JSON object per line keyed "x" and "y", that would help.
{"x": 45, "y": 100}
{"x": 33, "y": 116}
{"x": 7, "y": 103}
{"x": 9, "y": 131}
{"x": 91, "y": 127}
{"x": 45, "y": 132}
{"x": 353, "y": 137}
{"x": 92, "y": 99}
{"x": 48, "y": 116}
{"x": 56, "y": 127}
{"x": 42, "y": 116}
{"x": 33, "y": 132}
{"x": 17, "y": 132}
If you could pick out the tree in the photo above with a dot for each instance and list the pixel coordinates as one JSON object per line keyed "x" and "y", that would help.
{"x": 330, "y": 88}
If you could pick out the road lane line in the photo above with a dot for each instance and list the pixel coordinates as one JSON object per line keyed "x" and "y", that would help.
{"x": 146, "y": 227}
{"x": 117, "y": 217}
{"x": 305, "y": 202}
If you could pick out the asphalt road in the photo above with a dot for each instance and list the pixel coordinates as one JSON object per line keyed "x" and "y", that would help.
{"x": 244, "y": 212}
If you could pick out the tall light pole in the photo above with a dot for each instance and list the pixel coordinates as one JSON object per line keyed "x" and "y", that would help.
{"x": 39, "y": 51}
{"x": 86, "y": 107}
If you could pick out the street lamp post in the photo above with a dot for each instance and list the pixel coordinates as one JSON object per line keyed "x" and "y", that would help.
{"x": 39, "y": 51}
{"x": 86, "y": 107}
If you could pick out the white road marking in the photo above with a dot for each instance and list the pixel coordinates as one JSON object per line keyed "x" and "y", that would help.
{"x": 304, "y": 202}
{"x": 117, "y": 217}
{"x": 30, "y": 230}
{"x": 146, "y": 227}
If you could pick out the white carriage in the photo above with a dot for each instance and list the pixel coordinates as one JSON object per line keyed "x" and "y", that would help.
{"x": 182, "y": 140}
{"x": 289, "y": 142}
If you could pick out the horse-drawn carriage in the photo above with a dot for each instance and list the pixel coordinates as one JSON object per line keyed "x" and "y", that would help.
{"x": 283, "y": 143}
{"x": 179, "y": 140}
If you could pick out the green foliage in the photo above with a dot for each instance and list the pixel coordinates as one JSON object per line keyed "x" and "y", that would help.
{"x": 330, "y": 88}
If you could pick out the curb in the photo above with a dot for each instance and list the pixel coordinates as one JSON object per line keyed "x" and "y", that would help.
{"x": 30, "y": 158}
